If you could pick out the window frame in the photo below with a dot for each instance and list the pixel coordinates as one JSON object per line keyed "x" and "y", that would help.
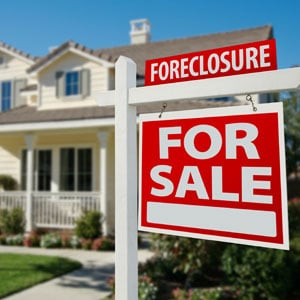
{"x": 83, "y": 83}
{"x": 75, "y": 169}
{"x": 36, "y": 169}
{"x": 72, "y": 84}
{"x": 6, "y": 99}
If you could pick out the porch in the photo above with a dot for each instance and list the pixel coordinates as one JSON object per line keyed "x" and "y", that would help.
{"x": 52, "y": 209}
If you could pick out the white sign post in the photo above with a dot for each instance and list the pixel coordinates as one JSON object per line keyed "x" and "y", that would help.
{"x": 125, "y": 98}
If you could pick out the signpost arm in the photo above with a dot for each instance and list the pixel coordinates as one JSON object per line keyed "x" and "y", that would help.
{"x": 126, "y": 269}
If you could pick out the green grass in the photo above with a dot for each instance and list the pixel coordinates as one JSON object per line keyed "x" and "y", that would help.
{"x": 18, "y": 271}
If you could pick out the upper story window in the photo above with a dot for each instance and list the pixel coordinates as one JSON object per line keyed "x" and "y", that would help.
{"x": 5, "y": 95}
{"x": 73, "y": 83}
{"x": 1, "y": 61}
{"x": 10, "y": 94}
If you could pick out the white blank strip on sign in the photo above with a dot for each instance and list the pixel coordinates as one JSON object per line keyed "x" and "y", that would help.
{"x": 242, "y": 221}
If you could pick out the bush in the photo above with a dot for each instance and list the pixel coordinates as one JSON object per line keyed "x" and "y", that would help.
{"x": 294, "y": 217}
{"x": 32, "y": 240}
{"x": 75, "y": 242}
{"x": 88, "y": 226}
{"x": 258, "y": 273}
{"x": 103, "y": 244}
{"x": 14, "y": 240}
{"x": 12, "y": 222}
{"x": 8, "y": 183}
{"x": 198, "y": 294}
{"x": 147, "y": 290}
{"x": 51, "y": 240}
{"x": 192, "y": 257}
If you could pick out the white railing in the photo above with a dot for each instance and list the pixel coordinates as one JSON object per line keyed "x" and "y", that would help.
{"x": 53, "y": 210}
{"x": 10, "y": 200}
{"x": 62, "y": 209}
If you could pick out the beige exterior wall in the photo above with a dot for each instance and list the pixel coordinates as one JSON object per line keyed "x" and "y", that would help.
{"x": 13, "y": 68}
{"x": 99, "y": 81}
{"x": 10, "y": 152}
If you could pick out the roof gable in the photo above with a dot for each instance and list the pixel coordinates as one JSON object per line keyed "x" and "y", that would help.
{"x": 72, "y": 47}
{"x": 27, "y": 58}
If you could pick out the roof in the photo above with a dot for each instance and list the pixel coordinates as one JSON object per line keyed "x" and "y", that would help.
{"x": 141, "y": 52}
{"x": 30, "y": 114}
{"x": 17, "y": 52}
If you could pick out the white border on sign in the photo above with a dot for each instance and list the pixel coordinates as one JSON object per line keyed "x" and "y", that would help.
{"x": 215, "y": 112}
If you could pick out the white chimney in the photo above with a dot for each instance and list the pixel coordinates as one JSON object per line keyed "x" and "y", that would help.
{"x": 140, "y": 31}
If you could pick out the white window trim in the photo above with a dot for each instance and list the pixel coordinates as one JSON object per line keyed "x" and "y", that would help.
{"x": 76, "y": 147}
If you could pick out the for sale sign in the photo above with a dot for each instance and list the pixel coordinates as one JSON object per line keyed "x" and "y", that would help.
{"x": 215, "y": 174}
{"x": 232, "y": 60}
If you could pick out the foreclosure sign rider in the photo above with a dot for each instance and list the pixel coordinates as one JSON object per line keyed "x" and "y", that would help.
{"x": 233, "y": 60}
{"x": 215, "y": 174}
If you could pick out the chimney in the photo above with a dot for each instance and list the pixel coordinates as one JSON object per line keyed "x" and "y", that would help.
{"x": 140, "y": 31}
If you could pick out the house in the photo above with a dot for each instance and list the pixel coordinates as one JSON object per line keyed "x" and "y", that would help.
{"x": 54, "y": 139}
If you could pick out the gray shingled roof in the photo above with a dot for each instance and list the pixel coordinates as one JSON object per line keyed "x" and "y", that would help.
{"x": 141, "y": 52}
{"x": 30, "y": 114}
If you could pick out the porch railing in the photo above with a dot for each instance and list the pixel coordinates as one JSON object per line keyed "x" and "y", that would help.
{"x": 10, "y": 200}
{"x": 53, "y": 210}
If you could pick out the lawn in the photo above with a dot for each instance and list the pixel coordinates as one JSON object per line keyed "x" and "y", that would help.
{"x": 18, "y": 271}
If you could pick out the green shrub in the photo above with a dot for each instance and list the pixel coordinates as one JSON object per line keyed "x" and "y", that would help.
{"x": 147, "y": 290}
{"x": 14, "y": 240}
{"x": 103, "y": 244}
{"x": 12, "y": 221}
{"x": 32, "y": 239}
{"x": 75, "y": 242}
{"x": 51, "y": 240}
{"x": 294, "y": 217}
{"x": 198, "y": 294}
{"x": 8, "y": 183}
{"x": 88, "y": 226}
{"x": 195, "y": 258}
{"x": 258, "y": 273}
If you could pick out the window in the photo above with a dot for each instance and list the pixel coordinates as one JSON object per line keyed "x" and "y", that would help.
{"x": 73, "y": 83}
{"x": 5, "y": 95}
{"x": 10, "y": 94}
{"x": 42, "y": 168}
{"x": 76, "y": 169}
{"x": 1, "y": 61}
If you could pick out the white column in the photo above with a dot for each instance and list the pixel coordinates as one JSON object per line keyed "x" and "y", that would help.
{"x": 126, "y": 269}
{"x": 29, "y": 140}
{"x": 102, "y": 138}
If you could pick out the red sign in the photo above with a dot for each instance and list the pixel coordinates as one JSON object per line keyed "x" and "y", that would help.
{"x": 233, "y": 60}
{"x": 215, "y": 174}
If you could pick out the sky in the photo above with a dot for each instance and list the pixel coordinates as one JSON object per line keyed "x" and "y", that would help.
{"x": 34, "y": 26}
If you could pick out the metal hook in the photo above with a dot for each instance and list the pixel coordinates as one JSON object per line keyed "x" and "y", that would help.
{"x": 249, "y": 98}
{"x": 164, "y": 106}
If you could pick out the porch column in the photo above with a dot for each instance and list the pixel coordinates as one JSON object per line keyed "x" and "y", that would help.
{"x": 102, "y": 138}
{"x": 30, "y": 140}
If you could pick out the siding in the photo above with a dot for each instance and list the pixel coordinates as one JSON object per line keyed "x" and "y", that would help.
{"x": 14, "y": 68}
{"x": 71, "y": 62}
{"x": 10, "y": 157}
